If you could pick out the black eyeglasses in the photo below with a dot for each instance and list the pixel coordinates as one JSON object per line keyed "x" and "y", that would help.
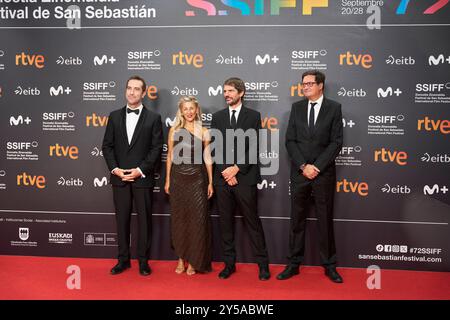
{"x": 308, "y": 84}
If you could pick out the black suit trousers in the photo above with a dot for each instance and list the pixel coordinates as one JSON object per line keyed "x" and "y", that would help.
{"x": 123, "y": 201}
{"x": 244, "y": 197}
{"x": 321, "y": 191}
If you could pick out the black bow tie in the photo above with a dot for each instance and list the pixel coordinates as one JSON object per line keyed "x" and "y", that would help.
{"x": 131, "y": 110}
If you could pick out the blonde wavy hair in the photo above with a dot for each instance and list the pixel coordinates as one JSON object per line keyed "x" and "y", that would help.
{"x": 179, "y": 119}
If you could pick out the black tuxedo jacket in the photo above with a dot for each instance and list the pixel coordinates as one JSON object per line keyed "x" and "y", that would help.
{"x": 249, "y": 173}
{"x": 322, "y": 147}
{"x": 143, "y": 152}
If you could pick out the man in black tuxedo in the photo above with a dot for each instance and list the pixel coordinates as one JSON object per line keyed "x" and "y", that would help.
{"x": 313, "y": 140}
{"x": 132, "y": 146}
{"x": 235, "y": 181}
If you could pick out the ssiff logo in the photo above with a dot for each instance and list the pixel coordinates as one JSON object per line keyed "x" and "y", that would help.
{"x": 258, "y": 7}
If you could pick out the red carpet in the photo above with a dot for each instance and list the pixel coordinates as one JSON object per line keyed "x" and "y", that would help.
{"x": 45, "y": 278}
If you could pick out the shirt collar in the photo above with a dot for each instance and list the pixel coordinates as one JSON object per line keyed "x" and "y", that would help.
{"x": 318, "y": 101}
{"x": 138, "y": 108}
{"x": 238, "y": 109}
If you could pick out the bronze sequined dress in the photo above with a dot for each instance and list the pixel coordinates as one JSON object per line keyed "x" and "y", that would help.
{"x": 190, "y": 220}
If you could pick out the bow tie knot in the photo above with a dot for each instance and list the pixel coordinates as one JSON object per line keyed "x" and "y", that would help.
{"x": 133, "y": 111}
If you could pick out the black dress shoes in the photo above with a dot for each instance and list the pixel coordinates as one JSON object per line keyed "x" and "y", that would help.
{"x": 120, "y": 267}
{"x": 144, "y": 268}
{"x": 227, "y": 271}
{"x": 334, "y": 276}
{"x": 288, "y": 272}
{"x": 264, "y": 273}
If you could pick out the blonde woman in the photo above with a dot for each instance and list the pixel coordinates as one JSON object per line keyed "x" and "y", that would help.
{"x": 189, "y": 184}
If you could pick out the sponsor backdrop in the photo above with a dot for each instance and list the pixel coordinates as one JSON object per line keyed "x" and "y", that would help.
{"x": 63, "y": 68}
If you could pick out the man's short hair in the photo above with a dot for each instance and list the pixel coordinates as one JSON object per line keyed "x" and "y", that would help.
{"x": 144, "y": 85}
{"x": 319, "y": 76}
{"x": 237, "y": 83}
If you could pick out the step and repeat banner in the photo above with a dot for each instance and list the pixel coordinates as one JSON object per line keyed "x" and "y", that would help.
{"x": 63, "y": 68}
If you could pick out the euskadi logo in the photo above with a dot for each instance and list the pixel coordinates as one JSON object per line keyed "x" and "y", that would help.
{"x": 24, "y": 234}
{"x": 253, "y": 7}
{"x": 100, "y": 182}
{"x": 352, "y": 93}
{"x": 229, "y": 60}
{"x": 27, "y": 91}
{"x": 435, "y": 189}
{"x": 104, "y": 59}
{"x": 215, "y": 91}
{"x": 398, "y": 189}
{"x": 265, "y": 184}
{"x": 266, "y": 58}
{"x": 401, "y": 61}
{"x": 438, "y": 60}
{"x": 70, "y": 61}
{"x": 388, "y": 92}
{"x": 59, "y": 90}
{"x": 184, "y": 92}
{"x": 19, "y": 120}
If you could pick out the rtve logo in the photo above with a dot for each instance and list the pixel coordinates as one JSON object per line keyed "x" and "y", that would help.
{"x": 104, "y": 59}
{"x": 389, "y": 92}
{"x": 63, "y": 151}
{"x": 56, "y": 91}
{"x": 351, "y": 59}
{"x": 27, "y": 180}
{"x": 427, "y": 190}
{"x": 95, "y": 120}
{"x": 267, "y": 58}
{"x": 427, "y": 124}
{"x": 384, "y": 155}
{"x": 33, "y": 60}
{"x": 361, "y": 188}
{"x": 297, "y": 90}
{"x": 270, "y": 123}
{"x": 190, "y": 59}
{"x": 13, "y": 121}
{"x": 440, "y": 59}
{"x": 258, "y": 8}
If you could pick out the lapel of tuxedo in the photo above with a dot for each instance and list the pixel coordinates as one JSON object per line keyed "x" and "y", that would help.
{"x": 303, "y": 115}
{"x": 226, "y": 118}
{"x": 324, "y": 109}
{"x": 242, "y": 117}
{"x": 123, "y": 124}
{"x": 138, "y": 128}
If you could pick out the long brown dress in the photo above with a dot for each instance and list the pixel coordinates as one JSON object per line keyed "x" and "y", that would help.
{"x": 190, "y": 220}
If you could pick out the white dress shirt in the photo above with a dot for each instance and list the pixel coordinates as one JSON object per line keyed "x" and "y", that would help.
{"x": 316, "y": 108}
{"x": 238, "y": 109}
